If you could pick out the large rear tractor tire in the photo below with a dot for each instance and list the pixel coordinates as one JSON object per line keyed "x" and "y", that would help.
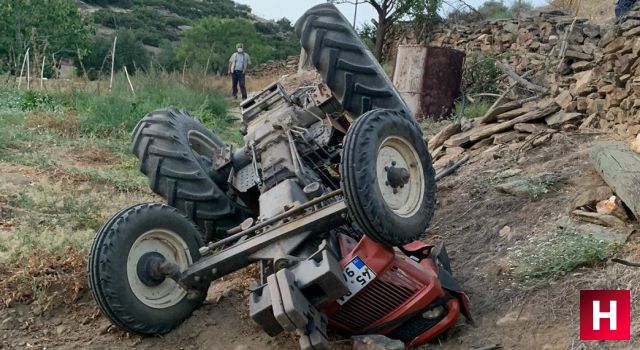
{"x": 125, "y": 283}
{"x": 176, "y": 152}
{"x": 349, "y": 69}
{"x": 387, "y": 177}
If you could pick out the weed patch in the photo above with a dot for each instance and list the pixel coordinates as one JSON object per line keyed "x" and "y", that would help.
{"x": 46, "y": 279}
{"x": 62, "y": 123}
{"x": 533, "y": 186}
{"x": 552, "y": 256}
{"x": 472, "y": 110}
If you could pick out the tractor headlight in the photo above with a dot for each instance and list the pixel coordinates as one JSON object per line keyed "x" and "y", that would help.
{"x": 433, "y": 313}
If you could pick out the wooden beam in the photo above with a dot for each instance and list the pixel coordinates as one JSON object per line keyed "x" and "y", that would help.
{"x": 619, "y": 166}
{"x": 522, "y": 81}
{"x": 113, "y": 62}
{"x": 481, "y": 132}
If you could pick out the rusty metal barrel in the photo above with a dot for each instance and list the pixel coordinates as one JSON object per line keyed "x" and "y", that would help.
{"x": 428, "y": 79}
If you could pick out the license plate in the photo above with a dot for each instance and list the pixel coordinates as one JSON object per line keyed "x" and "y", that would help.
{"x": 356, "y": 275}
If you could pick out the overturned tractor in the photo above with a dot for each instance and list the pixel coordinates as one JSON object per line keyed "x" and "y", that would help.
{"x": 329, "y": 195}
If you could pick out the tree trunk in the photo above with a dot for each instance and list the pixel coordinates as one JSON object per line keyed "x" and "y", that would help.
{"x": 619, "y": 166}
{"x": 381, "y": 31}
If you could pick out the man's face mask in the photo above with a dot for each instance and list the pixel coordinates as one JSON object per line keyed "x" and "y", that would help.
{"x": 240, "y": 49}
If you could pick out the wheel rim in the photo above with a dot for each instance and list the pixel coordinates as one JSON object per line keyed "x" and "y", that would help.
{"x": 397, "y": 156}
{"x": 202, "y": 145}
{"x": 172, "y": 248}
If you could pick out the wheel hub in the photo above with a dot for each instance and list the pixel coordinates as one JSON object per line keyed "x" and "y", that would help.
{"x": 154, "y": 256}
{"x": 397, "y": 177}
{"x": 148, "y": 269}
{"x": 400, "y": 176}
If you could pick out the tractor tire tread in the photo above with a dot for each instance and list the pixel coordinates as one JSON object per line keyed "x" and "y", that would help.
{"x": 161, "y": 145}
{"x": 352, "y": 73}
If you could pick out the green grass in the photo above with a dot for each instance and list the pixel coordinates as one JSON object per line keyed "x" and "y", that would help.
{"x": 552, "y": 256}
{"x": 119, "y": 111}
{"x": 471, "y": 110}
{"x": 101, "y": 121}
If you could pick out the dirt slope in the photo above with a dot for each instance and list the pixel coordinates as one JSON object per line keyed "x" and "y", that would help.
{"x": 470, "y": 218}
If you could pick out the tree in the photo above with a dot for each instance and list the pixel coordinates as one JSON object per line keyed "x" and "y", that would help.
{"x": 211, "y": 41}
{"x": 424, "y": 16}
{"x": 45, "y": 26}
{"x": 389, "y": 12}
{"x": 494, "y": 9}
{"x": 129, "y": 52}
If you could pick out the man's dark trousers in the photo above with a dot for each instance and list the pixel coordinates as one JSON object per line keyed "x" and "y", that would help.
{"x": 238, "y": 79}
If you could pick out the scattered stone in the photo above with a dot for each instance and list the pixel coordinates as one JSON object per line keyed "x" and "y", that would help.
{"x": 583, "y": 83}
{"x": 591, "y": 30}
{"x": 616, "y": 45}
{"x": 531, "y": 128}
{"x": 104, "y": 329}
{"x": 455, "y": 151}
{"x": 590, "y": 197}
{"x": 483, "y": 143}
{"x": 599, "y": 219}
{"x": 561, "y": 118}
{"x": 61, "y": 329}
{"x": 577, "y": 55}
{"x": 376, "y": 342}
{"x": 507, "y": 137}
{"x": 508, "y": 173}
{"x": 505, "y": 232}
{"x": 612, "y": 206}
{"x": 564, "y": 99}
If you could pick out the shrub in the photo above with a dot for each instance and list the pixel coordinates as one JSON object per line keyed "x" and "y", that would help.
{"x": 32, "y": 100}
{"x": 480, "y": 74}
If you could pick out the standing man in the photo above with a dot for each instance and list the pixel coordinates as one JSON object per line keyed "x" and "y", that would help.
{"x": 238, "y": 64}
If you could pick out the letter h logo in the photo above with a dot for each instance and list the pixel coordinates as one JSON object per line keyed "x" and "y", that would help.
{"x": 605, "y": 315}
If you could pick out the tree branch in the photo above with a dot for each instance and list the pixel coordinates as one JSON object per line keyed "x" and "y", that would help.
{"x": 376, "y": 6}
{"x": 529, "y": 85}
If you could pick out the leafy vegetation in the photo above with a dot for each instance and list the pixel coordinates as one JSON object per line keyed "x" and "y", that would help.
{"x": 192, "y": 32}
{"x": 130, "y": 53}
{"x": 491, "y": 10}
{"x": 471, "y": 110}
{"x": 422, "y": 14}
{"x": 211, "y": 42}
{"x": 148, "y": 31}
{"x": 480, "y": 74}
{"x": 47, "y": 27}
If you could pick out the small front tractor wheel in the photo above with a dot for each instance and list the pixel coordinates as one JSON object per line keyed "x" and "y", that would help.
{"x": 387, "y": 177}
{"x": 131, "y": 256}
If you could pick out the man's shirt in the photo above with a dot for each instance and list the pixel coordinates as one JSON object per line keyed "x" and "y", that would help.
{"x": 239, "y": 61}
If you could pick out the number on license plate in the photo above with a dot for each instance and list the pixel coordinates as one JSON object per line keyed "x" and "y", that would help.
{"x": 356, "y": 276}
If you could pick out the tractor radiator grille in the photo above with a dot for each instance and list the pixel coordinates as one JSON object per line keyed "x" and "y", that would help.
{"x": 382, "y": 296}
